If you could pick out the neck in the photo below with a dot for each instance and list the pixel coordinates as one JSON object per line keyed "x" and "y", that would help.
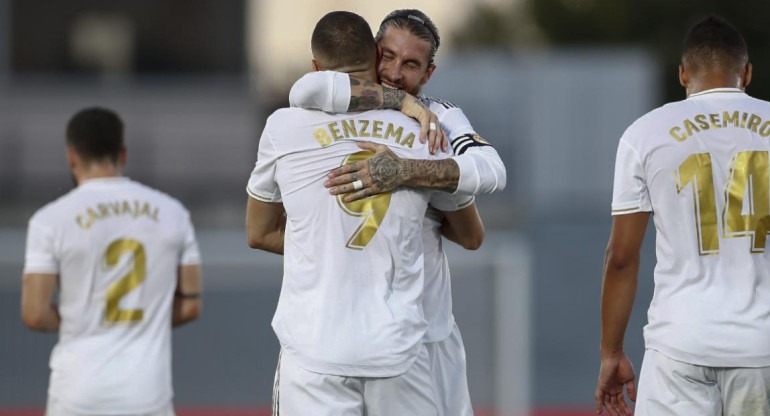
{"x": 98, "y": 170}
{"x": 709, "y": 81}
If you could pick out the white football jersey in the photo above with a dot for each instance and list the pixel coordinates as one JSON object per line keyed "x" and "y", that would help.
{"x": 701, "y": 166}
{"x": 351, "y": 299}
{"x": 481, "y": 171}
{"x": 116, "y": 246}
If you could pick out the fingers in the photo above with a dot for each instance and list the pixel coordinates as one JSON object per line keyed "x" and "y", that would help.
{"x": 631, "y": 387}
{"x": 444, "y": 141}
{"x": 598, "y": 400}
{"x": 372, "y": 147}
{"x": 425, "y": 120}
{"x": 347, "y": 178}
{"x": 349, "y": 168}
{"x": 434, "y": 135}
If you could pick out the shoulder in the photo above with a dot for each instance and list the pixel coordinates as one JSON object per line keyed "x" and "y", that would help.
{"x": 654, "y": 123}
{"x": 51, "y": 212}
{"x": 437, "y": 105}
{"x": 160, "y": 197}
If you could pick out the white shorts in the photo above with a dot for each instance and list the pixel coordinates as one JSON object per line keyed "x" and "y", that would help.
{"x": 298, "y": 392}
{"x": 447, "y": 362}
{"x": 670, "y": 387}
{"x": 55, "y": 408}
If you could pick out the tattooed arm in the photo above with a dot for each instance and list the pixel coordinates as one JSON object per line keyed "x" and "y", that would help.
{"x": 385, "y": 172}
{"x": 337, "y": 92}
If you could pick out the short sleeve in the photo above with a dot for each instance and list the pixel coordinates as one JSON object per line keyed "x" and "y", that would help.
{"x": 40, "y": 256}
{"x": 322, "y": 90}
{"x": 629, "y": 192}
{"x": 262, "y": 185}
{"x": 444, "y": 201}
{"x": 190, "y": 253}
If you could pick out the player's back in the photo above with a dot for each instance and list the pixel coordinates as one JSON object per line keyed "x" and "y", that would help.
{"x": 704, "y": 164}
{"x": 116, "y": 245}
{"x": 353, "y": 272}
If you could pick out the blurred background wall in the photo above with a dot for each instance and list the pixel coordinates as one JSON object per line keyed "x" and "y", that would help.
{"x": 551, "y": 83}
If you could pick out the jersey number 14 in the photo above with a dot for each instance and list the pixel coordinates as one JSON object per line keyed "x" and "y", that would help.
{"x": 746, "y": 211}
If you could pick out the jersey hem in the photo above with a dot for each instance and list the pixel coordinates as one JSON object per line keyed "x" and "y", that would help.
{"x": 112, "y": 411}
{"x": 706, "y": 361}
{"x": 358, "y": 370}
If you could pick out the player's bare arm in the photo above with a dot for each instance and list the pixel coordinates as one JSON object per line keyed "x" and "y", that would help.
{"x": 385, "y": 172}
{"x": 368, "y": 95}
{"x": 464, "y": 227}
{"x": 621, "y": 268}
{"x": 187, "y": 296}
{"x": 265, "y": 225}
{"x": 37, "y": 311}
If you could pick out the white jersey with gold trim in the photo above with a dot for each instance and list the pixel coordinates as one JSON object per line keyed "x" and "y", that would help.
{"x": 116, "y": 246}
{"x": 701, "y": 166}
{"x": 351, "y": 299}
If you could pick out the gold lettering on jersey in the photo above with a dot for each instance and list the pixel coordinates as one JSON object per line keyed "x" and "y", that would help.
{"x": 715, "y": 123}
{"x": 754, "y": 123}
{"x": 349, "y": 128}
{"x": 323, "y": 137}
{"x": 362, "y": 132}
{"x": 335, "y": 131}
{"x": 728, "y": 118}
{"x": 378, "y": 129}
{"x": 701, "y": 120}
{"x": 735, "y": 119}
{"x": 103, "y": 211}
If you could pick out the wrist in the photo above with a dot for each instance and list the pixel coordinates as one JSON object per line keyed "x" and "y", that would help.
{"x": 393, "y": 98}
{"x": 611, "y": 351}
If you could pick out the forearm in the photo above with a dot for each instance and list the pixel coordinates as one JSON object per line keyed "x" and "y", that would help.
{"x": 618, "y": 292}
{"x": 442, "y": 175}
{"x": 368, "y": 95}
{"x": 481, "y": 171}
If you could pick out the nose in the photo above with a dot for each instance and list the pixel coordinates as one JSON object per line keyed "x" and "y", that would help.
{"x": 392, "y": 73}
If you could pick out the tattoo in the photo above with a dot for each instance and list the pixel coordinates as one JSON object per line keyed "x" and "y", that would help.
{"x": 354, "y": 82}
{"x": 365, "y": 98}
{"x": 442, "y": 175}
{"x": 385, "y": 170}
{"x": 392, "y": 98}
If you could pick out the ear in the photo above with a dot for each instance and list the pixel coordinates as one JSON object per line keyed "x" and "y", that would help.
{"x": 72, "y": 158}
{"x": 428, "y": 74}
{"x": 122, "y": 158}
{"x": 316, "y": 67}
{"x": 684, "y": 77}
{"x": 746, "y": 76}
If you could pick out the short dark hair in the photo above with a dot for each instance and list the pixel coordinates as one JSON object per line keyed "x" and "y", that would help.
{"x": 416, "y": 23}
{"x": 96, "y": 134}
{"x": 343, "y": 39}
{"x": 714, "y": 43}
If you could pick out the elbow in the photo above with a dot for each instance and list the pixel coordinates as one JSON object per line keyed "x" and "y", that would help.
{"x": 255, "y": 241}
{"x": 474, "y": 241}
{"x": 33, "y": 320}
{"x": 618, "y": 260}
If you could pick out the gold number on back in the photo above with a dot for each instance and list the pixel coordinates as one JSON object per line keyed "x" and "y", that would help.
{"x": 746, "y": 212}
{"x": 127, "y": 283}
{"x": 372, "y": 210}
{"x": 696, "y": 171}
{"x": 748, "y": 182}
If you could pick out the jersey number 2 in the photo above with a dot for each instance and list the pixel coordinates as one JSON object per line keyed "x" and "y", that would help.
{"x": 746, "y": 211}
{"x": 371, "y": 209}
{"x": 127, "y": 283}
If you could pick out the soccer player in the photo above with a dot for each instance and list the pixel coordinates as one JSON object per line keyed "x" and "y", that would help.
{"x": 349, "y": 317}
{"x": 701, "y": 166}
{"x": 408, "y": 41}
{"x": 127, "y": 267}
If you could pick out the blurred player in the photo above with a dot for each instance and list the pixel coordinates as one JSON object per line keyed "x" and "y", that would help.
{"x": 408, "y": 41}
{"x": 126, "y": 263}
{"x": 701, "y": 165}
{"x": 349, "y": 317}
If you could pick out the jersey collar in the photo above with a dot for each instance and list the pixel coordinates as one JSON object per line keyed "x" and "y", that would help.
{"x": 716, "y": 91}
{"x": 104, "y": 181}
